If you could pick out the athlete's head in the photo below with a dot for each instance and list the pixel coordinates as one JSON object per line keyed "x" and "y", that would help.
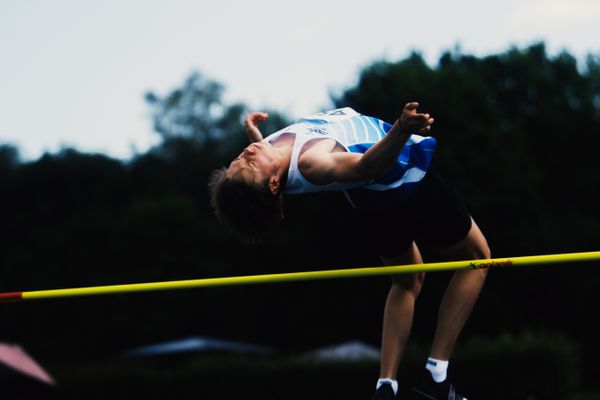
{"x": 246, "y": 196}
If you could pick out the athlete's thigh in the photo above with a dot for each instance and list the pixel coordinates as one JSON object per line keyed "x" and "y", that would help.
{"x": 440, "y": 213}
{"x": 472, "y": 247}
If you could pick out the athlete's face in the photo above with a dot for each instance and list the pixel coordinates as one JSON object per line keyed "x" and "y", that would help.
{"x": 256, "y": 164}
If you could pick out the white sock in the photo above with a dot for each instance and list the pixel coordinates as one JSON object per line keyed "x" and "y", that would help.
{"x": 438, "y": 369}
{"x": 392, "y": 382}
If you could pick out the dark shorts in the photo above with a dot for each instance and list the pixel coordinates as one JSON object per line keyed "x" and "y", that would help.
{"x": 435, "y": 215}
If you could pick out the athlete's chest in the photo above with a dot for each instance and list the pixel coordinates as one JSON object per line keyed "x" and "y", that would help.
{"x": 319, "y": 145}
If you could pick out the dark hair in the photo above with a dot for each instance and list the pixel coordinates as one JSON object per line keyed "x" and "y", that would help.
{"x": 248, "y": 211}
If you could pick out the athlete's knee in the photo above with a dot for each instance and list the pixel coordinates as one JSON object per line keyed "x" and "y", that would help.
{"x": 479, "y": 250}
{"x": 480, "y": 273}
{"x": 473, "y": 247}
{"x": 479, "y": 246}
{"x": 409, "y": 282}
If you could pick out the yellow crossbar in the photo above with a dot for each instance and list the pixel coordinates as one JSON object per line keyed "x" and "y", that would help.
{"x": 302, "y": 276}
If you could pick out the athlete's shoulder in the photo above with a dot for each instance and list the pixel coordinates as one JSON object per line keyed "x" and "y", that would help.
{"x": 294, "y": 128}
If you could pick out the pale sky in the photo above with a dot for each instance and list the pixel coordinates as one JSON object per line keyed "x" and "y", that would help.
{"x": 73, "y": 73}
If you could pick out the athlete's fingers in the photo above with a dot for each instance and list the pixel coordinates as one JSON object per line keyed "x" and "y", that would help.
{"x": 256, "y": 115}
{"x": 421, "y": 118}
{"x": 413, "y": 105}
{"x": 255, "y": 118}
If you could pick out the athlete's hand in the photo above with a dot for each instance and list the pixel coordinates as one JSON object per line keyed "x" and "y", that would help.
{"x": 413, "y": 122}
{"x": 251, "y": 124}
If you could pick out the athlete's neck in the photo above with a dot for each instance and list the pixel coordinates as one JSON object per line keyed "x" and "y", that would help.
{"x": 284, "y": 146}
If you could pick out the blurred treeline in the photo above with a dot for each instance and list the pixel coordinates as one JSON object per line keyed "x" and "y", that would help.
{"x": 518, "y": 134}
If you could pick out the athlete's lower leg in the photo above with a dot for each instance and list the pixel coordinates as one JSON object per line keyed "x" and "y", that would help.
{"x": 399, "y": 311}
{"x": 461, "y": 294}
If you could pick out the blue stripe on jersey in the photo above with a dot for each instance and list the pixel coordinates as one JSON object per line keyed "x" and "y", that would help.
{"x": 314, "y": 121}
{"x": 372, "y": 132}
{"x": 349, "y": 129}
{"x": 418, "y": 156}
{"x": 360, "y": 147}
{"x": 371, "y": 129}
{"x": 421, "y": 154}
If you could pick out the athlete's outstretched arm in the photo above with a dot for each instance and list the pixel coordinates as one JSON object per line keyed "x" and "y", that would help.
{"x": 323, "y": 167}
{"x": 251, "y": 124}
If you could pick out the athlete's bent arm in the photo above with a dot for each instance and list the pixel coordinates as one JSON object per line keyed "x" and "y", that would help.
{"x": 250, "y": 123}
{"x": 324, "y": 167}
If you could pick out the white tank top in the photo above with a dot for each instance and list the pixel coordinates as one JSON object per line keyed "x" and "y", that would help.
{"x": 355, "y": 133}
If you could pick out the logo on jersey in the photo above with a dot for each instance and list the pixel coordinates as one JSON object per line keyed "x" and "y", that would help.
{"x": 318, "y": 131}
